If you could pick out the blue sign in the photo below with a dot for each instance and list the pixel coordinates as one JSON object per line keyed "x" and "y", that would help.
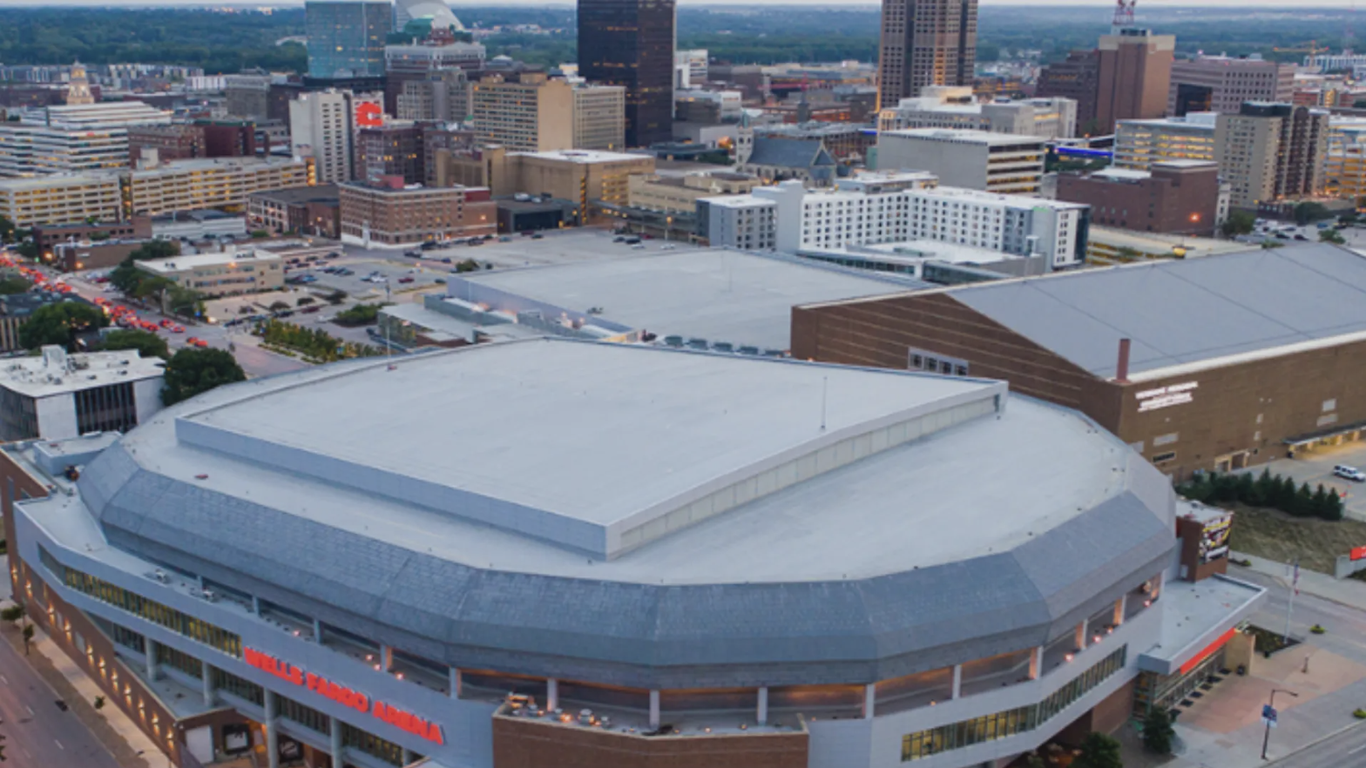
{"x": 1269, "y": 714}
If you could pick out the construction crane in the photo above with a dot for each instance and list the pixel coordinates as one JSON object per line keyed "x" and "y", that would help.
{"x": 1124, "y": 15}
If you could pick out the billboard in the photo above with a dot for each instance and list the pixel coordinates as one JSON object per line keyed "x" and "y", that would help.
{"x": 1214, "y": 537}
{"x": 369, "y": 115}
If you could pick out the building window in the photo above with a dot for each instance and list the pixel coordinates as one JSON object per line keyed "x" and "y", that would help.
{"x": 155, "y": 612}
{"x": 242, "y": 689}
{"x": 109, "y": 408}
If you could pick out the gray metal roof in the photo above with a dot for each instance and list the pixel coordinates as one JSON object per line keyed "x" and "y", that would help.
{"x": 1184, "y": 311}
{"x": 789, "y": 153}
{"x": 984, "y": 537}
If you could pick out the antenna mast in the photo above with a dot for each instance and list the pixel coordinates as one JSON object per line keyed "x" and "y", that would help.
{"x": 1124, "y": 15}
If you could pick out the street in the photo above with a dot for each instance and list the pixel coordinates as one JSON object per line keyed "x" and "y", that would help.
{"x": 37, "y": 733}
{"x": 1346, "y": 748}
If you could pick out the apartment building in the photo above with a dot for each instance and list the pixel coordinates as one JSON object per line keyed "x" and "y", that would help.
{"x": 679, "y": 194}
{"x": 744, "y": 222}
{"x": 599, "y": 117}
{"x": 208, "y": 183}
{"x": 442, "y": 97}
{"x": 993, "y": 162}
{"x": 1133, "y": 76}
{"x": 322, "y": 126}
{"x": 229, "y": 273}
{"x": 61, "y": 199}
{"x": 392, "y": 149}
{"x": 1271, "y": 152}
{"x": 1223, "y": 83}
{"x": 306, "y": 210}
{"x": 389, "y": 214}
{"x": 1077, "y": 78}
{"x": 1174, "y": 197}
{"x": 524, "y": 112}
{"x": 1140, "y": 143}
{"x": 957, "y": 107}
{"x": 72, "y": 138}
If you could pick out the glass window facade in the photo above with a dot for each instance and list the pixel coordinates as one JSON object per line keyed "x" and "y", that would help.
{"x": 242, "y": 689}
{"x": 308, "y": 717}
{"x": 110, "y": 408}
{"x": 346, "y": 39}
{"x": 180, "y": 623}
{"x": 372, "y": 745}
{"x": 180, "y": 660}
{"x": 1012, "y": 721}
{"x": 631, "y": 43}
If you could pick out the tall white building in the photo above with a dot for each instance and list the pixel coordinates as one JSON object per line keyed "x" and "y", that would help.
{"x": 321, "y": 127}
{"x": 891, "y": 208}
{"x": 994, "y": 162}
{"x": 59, "y": 396}
{"x": 744, "y": 222}
{"x": 956, "y": 107}
{"x": 72, "y": 138}
{"x": 690, "y": 68}
{"x": 599, "y": 117}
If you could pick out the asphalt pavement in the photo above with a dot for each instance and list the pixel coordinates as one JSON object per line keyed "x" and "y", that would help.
{"x": 1340, "y": 750}
{"x": 38, "y": 734}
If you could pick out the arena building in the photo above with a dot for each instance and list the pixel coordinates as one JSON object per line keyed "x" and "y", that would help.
{"x": 558, "y": 552}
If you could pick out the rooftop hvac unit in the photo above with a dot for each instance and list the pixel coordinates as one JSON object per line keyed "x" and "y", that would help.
{"x": 210, "y": 595}
{"x": 160, "y": 576}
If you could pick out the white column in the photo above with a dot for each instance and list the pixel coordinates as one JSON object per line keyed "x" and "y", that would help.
{"x": 386, "y": 658}
{"x": 654, "y": 709}
{"x": 1036, "y": 663}
{"x": 334, "y": 729}
{"x": 317, "y": 631}
{"x": 762, "y": 716}
{"x": 552, "y": 695}
{"x": 957, "y": 680}
{"x": 869, "y": 700}
{"x": 150, "y": 647}
{"x": 1081, "y": 636}
{"x": 1120, "y": 605}
{"x": 206, "y": 678}
{"x": 406, "y": 756}
{"x": 455, "y": 683}
{"x": 256, "y": 605}
{"x": 272, "y": 733}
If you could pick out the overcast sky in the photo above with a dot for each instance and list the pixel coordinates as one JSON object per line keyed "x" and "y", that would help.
{"x": 534, "y": 3}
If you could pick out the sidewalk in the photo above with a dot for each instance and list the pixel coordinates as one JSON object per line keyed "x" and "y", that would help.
{"x": 1348, "y": 592}
{"x": 129, "y": 745}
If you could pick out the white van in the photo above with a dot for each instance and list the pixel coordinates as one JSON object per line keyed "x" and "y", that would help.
{"x": 1351, "y": 473}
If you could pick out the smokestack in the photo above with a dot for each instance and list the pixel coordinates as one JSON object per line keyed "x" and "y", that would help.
{"x": 1122, "y": 365}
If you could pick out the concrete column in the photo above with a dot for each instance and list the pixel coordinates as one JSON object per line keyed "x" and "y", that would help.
{"x": 150, "y": 646}
{"x": 386, "y": 658}
{"x": 455, "y": 683}
{"x": 206, "y": 677}
{"x": 272, "y": 732}
{"x": 1036, "y": 663}
{"x": 762, "y": 716}
{"x": 1081, "y": 636}
{"x": 552, "y": 695}
{"x": 1157, "y": 588}
{"x": 334, "y": 729}
{"x": 957, "y": 681}
{"x": 654, "y": 709}
{"x": 317, "y": 632}
{"x": 256, "y": 605}
{"x": 869, "y": 701}
{"x": 1119, "y": 609}
{"x": 406, "y": 756}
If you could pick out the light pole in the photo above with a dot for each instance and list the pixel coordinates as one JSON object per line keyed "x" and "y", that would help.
{"x": 1272, "y": 705}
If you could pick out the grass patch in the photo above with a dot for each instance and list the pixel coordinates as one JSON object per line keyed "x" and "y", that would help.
{"x": 1277, "y": 536}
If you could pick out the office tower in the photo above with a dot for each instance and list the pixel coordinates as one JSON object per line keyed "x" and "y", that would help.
{"x": 442, "y": 96}
{"x": 1271, "y": 152}
{"x": 1133, "y": 77}
{"x": 418, "y": 62}
{"x": 1222, "y": 84}
{"x": 925, "y": 42}
{"x": 524, "y": 112}
{"x": 71, "y": 138}
{"x": 321, "y": 127}
{"x": 599, "y": 117}
{"x": 391, "y": 150}
{"x": 346, "y": 39}
{"x": 1141, "y": 143}
{"x": 994, "y": 162}
{"x": 631, "y": 43}
{"x": 78, "y": 91}
{"x": 1075, "y": 78}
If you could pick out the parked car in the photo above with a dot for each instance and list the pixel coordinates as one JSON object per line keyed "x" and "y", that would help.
{"x": 1350, "y": 473}
{"x": 446, "y": 260}
{"x": 405, "y": 279}
{"x": 334, "y": 255}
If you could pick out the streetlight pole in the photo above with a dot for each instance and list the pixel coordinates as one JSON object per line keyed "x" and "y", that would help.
{"x": 1272, "y": 704}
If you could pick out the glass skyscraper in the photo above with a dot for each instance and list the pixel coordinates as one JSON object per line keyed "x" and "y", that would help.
{"x": 346, "y": 39}
{"x": 631, "y": 43}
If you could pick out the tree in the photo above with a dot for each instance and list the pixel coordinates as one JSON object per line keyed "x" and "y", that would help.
{"x": 12, "y": 283}
{"x": 6, "y": 230}
{"x": 1331, "y": 235}
{"x": 27, "y": 250}
{"x": 12, "y": 613}
{"x": 60, "y": 324}
{"x": 1306, "y": 213}
{"x": 146, "y": 343}
{"x": 1158, "y": 731}
{"x": 1239, "y": 223}
{"x": 259, "y": 234}
{"x": 1099, "y": 751}
{"x": 156, "y": 249}
{"x": 1264, "y": 490}
{"x": 278, "y": 306}
{"x": 99, "y": 702}
{"x": 193, "y": 371}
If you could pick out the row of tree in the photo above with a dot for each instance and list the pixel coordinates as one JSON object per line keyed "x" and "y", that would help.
{"x": 1267, "y": 490}
{"x": 313, "y": 343}
{"x": 142, "y": 285}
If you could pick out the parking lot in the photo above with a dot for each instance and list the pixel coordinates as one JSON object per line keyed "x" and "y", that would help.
{"x": 567, "y": 246}
{"x": 397, "y": 276}
{"x": 1317, "y": 467}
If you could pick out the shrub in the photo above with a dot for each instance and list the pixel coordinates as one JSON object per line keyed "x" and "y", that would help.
{"x": 99, "y": 702}
{"x": 12, "y": 613}
{"x": 1158, "y": 731}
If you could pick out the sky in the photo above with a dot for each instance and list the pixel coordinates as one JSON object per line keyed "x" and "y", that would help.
{"x": 542, "y": 3}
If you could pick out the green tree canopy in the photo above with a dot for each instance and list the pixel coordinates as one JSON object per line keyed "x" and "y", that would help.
{"x": 60, "y": 324}
{"x": 1158, "y": 731}
{"x": 1331, "y": 235}
{"x": 194, "y": 371}
{"x": 1239, "y": 223}
{"x": 147, "y": 344}
{"x": 1307, "y": 213}
{"x": 6, "y": 230}
{"x": 1099, "y": 751}
{"x": 13, "y": 282}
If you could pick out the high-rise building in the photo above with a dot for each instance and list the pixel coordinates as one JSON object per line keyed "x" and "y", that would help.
{"x": 993, "y": 162}
{"x": 599, "y": 117}
{"x": 1271, "y": 152}
{"x": 1222, "y": 84}
{"x": 78, "y": 91}
{"x": 631, "y": 43}
{"x": 957, "y": 107}
{"x": 442, "y": 96}
{"x": 925, "y": 42}
{"x": 1077, "y": 78}
{"x": 419, "y": 62}
{"x": 247, "y": 95}
{"x": 1133, "y": 76}
{"x": 346, "y": 39}
{"x": 388, "y": 213}
{"x": 525, "y": 112}
{"x": 73, "y": 138}
{"x": 393, "y": 150}
{"x": 320, "y": 127}
{"x": 1140, "y": 143}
